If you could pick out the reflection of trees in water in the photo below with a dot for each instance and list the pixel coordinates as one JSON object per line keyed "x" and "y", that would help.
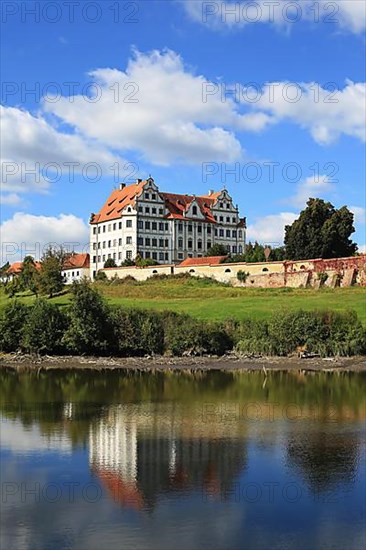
{"x": 325, "y": 458}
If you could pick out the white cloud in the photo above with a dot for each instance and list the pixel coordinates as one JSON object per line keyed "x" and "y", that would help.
{"x": 156, "y": 108}
{"x": 29, "y": 234}
{"x": 30, "y": 144}
{"x": 349, "y": 15}
{"x": 362, "y": 248}
{"x": 359, "y": 214}
{"x": 310, "y": 188}
{"x": 270, "y": 229}
{"x": 326, "y": 113}
{"x": 12, "y": 199}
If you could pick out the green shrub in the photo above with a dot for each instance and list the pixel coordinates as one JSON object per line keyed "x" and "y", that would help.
{"x": 90, "y": 328}
{"x": 137, "y": 332}
{"x": 44, "y": 328}
{"x": 242, "y": 276}
{"x": 12, "y": 325}
{"x": 186, "y": 335}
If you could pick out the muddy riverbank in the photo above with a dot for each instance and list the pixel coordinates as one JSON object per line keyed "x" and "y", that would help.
{"x": 226, "y": 363}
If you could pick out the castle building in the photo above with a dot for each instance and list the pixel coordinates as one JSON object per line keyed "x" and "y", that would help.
{"x": 140, "y": 220}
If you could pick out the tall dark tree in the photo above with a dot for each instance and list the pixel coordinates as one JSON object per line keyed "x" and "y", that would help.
{"x": 321, "y": 231}
{"x": 217, "y": 250}
{"x": 50, "y": 278}
{"x": 29, "y": 276}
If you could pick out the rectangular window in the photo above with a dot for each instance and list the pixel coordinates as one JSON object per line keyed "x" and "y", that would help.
{"x": 94, "y": 230}
{"x": 119, "y": 225}
{"x": 240, "y": 249}
{"x": 166, "y": 226}
{"x": 103, "y": 228}
{"x": 128, "y": 223}
{"x": 103, "y": 257}
{"x": 199, "y": 245}
{"x": 140, "y": 224}
{"x": 208, "y": 244}
{"x": 228, "y": 233}
{"x": 109, "y": 256}
{"x": 103, "y": 244}
{"x": 240, "y": 234}
{"x": 140, "y": 241}
{"x": 154, "y": 242}
{"x": 228, "y": 205}
{"x": 215, "y": 232}
{"x": 147, "y": 255}
{"x": 166, "y": 243}
{"x": 235, "y": 249}
{"x": 208, "y": 230}
{"x": 166, "y": 256}
{"x": 221, "y": 232}
{"x": 153, "y": 210}
{"x": 221, "y": 218}
{"x": 147, "y": 196}
{"x": 94, "y": 259}
{"x": 109, "y": 227}
{"x": 147, "y": 225}
{"x": 161, "y": 255}
{"x": 147, "y": 241}
{"x": 227, "y": 219}
{"x": 190, "y": 244}
{"x": 114, "y": 227}
{"x": 180, "y": 227}
{"x": 147, "y": 210}
{"x": 161, "y": 243}
{"x": 98, "y": 229}
{"x": 189, "y": 228}
{"x": 180, "y": 256}
{"x": 98, "y": 258}
{"x": 109, "y": 244}
{"x": 129, "y": 254}
{"x": 114, "y": 242}
{"x": 153, "y": 197}
{"x": 155, "y": 255}
{"x": 180, "y": 243}
{"x": 141, "y": 209}
{"x": 114, "y": 255}
{"x": 234, "y": 233}
{"x": 161, "y": 226}
{"x": 161, "y": 211}
{"x": 119, "y": 242}
{"x": 154, "y": 226}
{"x": 128, "y": 240}
{"x": 120, "y": 255}
{"x": 233, "y": 220}
{"x": 199, "y": 228}
{"x": 94, "y": 246}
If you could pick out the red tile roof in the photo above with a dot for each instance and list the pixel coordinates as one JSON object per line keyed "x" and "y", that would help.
{"x": 17, "y": 267}
{"x": 117, "y": 201}
{"x": 73, "y": 261}
{"x": 176, "y": 204}
{"x": 209, "y": 260}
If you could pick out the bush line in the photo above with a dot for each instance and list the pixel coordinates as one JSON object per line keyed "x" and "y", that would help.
{"x": 89, "y": 326}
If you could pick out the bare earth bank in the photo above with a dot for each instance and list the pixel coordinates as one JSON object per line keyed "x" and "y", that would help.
{"x": 22, "y": 362}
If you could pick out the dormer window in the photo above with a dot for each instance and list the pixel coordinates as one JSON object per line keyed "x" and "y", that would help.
{"x": 147, "y": 196}
{"x": 194, "y": 210}
{"x": 221, "y": 205}
{"x": 153, "y": 197}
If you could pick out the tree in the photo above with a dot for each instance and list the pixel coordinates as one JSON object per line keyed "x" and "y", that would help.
{"x": 321, "y": 231}
{"x": 50, "y": 277}
{"x": 12, "y": 325}
{"x": 90, "y": 327}
{"x": 44, "y": 328}
{"x": 110, "y": 263}
{"x": 29, "y": 276}
{"x": 217, "y": 250}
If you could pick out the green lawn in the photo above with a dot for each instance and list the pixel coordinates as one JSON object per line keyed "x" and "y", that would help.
{"x": 210, "y": 300}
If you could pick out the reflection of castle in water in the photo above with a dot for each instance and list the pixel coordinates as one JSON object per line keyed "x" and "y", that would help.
{"x": 141, "y": 451}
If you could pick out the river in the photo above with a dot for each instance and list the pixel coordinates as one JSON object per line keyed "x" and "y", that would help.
{"x": 183, "y": 461}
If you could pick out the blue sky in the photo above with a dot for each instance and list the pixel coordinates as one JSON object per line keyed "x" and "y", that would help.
{"x": 199, "y": 98}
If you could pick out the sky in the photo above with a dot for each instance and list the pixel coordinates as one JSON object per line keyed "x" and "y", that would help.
{"x": 265, "y": 98}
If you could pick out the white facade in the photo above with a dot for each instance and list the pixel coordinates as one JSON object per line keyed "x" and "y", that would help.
{"x": 161, "y": 226}
{"x": 74, "y": 274}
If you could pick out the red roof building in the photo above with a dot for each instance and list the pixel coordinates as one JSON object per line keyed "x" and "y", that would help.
{"x": 139, "y": 219}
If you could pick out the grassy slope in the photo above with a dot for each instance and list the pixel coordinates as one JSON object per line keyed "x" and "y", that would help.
{"x": 209, "y": 300}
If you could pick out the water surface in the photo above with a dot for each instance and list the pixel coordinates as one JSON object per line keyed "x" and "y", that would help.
{"x": 211, "y": 460}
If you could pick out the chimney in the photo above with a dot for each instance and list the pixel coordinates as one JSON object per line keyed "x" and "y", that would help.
{"x": 138, "y": 180}
{"x": 210, "y": 192}
{"x": 122, "y": 185}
